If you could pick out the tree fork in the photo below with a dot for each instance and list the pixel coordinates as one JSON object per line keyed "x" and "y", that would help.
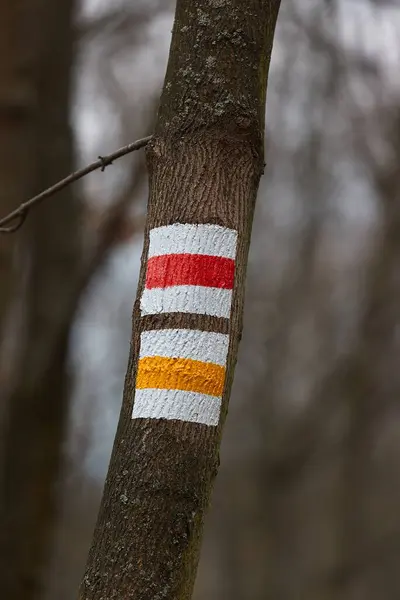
{"x": 205, "y": 161}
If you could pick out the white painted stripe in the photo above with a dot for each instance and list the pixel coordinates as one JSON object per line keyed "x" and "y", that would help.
{"x": 204, "y": 346}
{"x": 176, "y": 404}
{"x": 187, "y": 299}
{"x": 212, "y": 240}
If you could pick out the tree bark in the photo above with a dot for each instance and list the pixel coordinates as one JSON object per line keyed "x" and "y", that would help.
{"x": 205, "y": 162}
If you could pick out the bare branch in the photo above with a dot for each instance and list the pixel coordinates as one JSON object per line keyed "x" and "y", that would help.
{"x": 20, "y": 213}
{"x": 113, "y": 220}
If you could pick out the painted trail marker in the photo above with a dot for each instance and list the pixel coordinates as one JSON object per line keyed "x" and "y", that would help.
{"x": 181, "y": 372}
{"x": 190, "y": 269}
{"x": 181, "y": 375}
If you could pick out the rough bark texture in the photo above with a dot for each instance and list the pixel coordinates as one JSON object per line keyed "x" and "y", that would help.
{"x": 35, "y": 394}
{"x": 205, "y": 163}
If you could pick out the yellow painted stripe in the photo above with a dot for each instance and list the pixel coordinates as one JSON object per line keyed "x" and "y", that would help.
{"x": 180, "y": 374}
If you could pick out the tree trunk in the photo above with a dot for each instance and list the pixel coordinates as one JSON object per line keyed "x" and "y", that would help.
{"x": 205, "y": 162}
{"x": 35, "y": 394}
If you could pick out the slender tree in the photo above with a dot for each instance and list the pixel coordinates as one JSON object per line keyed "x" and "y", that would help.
{"x": 205, "y": 161}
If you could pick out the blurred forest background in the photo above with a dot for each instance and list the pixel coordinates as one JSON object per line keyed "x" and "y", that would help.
{"x": 306, "y": 505}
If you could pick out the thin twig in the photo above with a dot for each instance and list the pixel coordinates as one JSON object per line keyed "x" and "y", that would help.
{"x": 20, "y": 213}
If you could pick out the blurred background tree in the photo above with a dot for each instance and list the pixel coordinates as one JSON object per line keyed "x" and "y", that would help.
{"x": 40, "y": 269}
{"x": 306, "y": 502}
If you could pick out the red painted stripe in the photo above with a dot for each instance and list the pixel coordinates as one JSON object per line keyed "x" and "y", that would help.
{"x": 190, "y": 269}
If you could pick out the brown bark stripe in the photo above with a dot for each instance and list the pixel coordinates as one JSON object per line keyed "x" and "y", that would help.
{"x": 184, "y": 321}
